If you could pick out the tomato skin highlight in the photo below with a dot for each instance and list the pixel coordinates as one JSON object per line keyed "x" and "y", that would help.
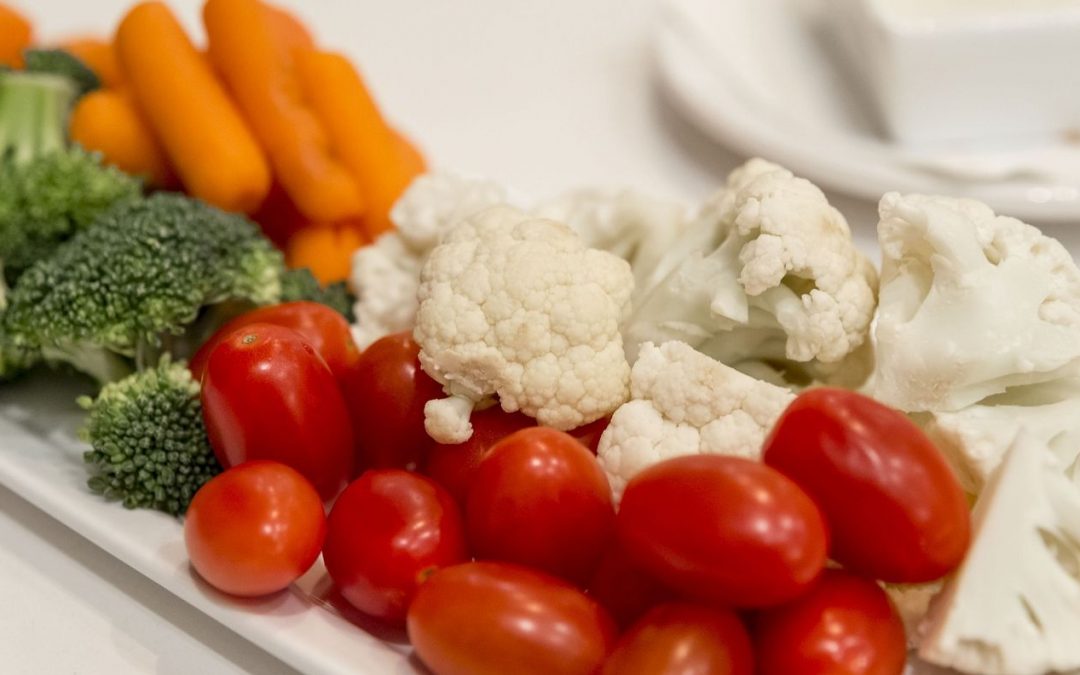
{"x": 386, "y": 392}
{"x": 386, "y": 534}
{"x": 324, "y": 329}
{"x": 684, "y": 639}
{"x": 254, "y": 529}
{"x": 723, "y": 530}
{"x": 267, "y": 394}
{"x": 539, "y": 498}
{"x": 895, "y": 509}
{"x": 845, "y": 625}
{"x": 485, "y": 618}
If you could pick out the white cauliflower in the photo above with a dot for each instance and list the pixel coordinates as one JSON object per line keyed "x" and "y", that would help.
{"x": 1013, "y": 606}
{"x": 767, "y": 272}
{"x": 386, "y": 275}
{"x": 684, "y": 403}
{"x": 971, "y": 304}
{"x": 912, "y": 601}
{"x": 517, "y": 306}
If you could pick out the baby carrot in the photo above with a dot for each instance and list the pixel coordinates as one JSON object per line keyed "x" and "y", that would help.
{"x": 108, "y": 122}
{"x": 16, "y": 33}
{"x": 204, "y": 136}
{"x": 288, "y": 30}
{"x": 260, "y": 75}
{"x": 412, "y": 157}
{"x": 366, "y": 144}
{"x": 325, "y": 249}
{"x": 98, "y": 55}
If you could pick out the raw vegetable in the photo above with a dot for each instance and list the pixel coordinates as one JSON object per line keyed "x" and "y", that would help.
{"x": 388, "y": 532}
{"x": 623, "y": 588}
{"x": 16, "y": 34}
{"x": 288, "y": 30}
{"x": 518, "y": 307}
{"x": 845, "y": 624}
{"x": 300, "y": 284}
{"x": 149, "y": 447}
{"x": 61, "y": 63}
{"x": 134, "y": 282}
{"x": 485, "y": 618}
{"x": 107, "y": 122}
{"x": 264, "y": 77}
{"x": 685, "y": 403}
{"x": 99, "y": 56}
{"x": 894, "y": 508}
{"x": 724, "y": 530}
{"x": 206, "y": 140}
{"x": 268, "y": 395}
{"x": 326, "y": 250}
{"x": 681, "y": 638}
{"x": 539, "y": 499}
{"x": 254, "y": 529}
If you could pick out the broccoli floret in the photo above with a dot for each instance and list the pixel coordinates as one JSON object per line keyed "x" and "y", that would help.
{"x": 13, "y": 360}
{"x": 148, "y": 440}
{"x": 64, "y": 64}
{"x": 301, "y": 284}
{"x": 130, "y": 284}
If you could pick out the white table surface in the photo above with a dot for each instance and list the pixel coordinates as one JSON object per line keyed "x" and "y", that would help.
{"x": 542, "y": 95}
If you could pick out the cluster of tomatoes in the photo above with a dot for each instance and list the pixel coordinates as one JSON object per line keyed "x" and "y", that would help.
{"x": 508, "y": 554}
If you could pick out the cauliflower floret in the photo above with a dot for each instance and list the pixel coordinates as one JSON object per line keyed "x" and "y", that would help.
{"x": 971, "y": 304}
{"x": 519, "y": 307}
{"x": 686, "y": 403}
{"x": 1013, "y": 606}
{"x": 912, "y": 602}
{"x": 386, "y": 275}
{"x": 767, "y": 272}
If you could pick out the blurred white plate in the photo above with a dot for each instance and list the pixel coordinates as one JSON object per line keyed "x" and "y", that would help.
{"x": 765, "y": 79}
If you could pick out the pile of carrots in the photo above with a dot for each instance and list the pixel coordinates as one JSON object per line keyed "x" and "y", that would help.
{"x": 262, "y": 122}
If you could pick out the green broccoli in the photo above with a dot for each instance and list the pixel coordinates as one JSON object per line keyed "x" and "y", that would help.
{"x": 148, "y": 440}
{"x": 135, "y": 281}
{"x": 301, "y": 284}
{"x": 64, "y": 64}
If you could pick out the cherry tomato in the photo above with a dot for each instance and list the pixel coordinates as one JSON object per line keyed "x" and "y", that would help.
{"x": 266, "y": 394}
{"x": 844, "y": 626}
{"x": 895, "y": 509}
{"x": 724, "y": 530}
{"x": 386, "y": 392}
{"x": 683, "y": 639}
{"x": 539, "y": 498}
{"x": 254, "y": 529}
{"x": 590, "y": 434}
{"x": 485, "y": 618}
{"x": 453, "y": 466}
{"x": 623, "y": 588}
{"x": 387, "y": 533}
{"x": 323, "y": 328}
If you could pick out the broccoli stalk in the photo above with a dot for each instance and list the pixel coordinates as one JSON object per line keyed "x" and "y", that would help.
{"x": 33, "y": 114}
{"x": 148, "y": 440}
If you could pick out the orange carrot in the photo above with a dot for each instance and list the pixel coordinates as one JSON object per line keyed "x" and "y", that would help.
{"x": 99, "y": 56}
{"x": 325, "y": 249}
{"x": 16, "y": 34}
{"x": 259, "y": 72}
{"x": 204, "y": 135}
{"x": 412, "y": 157}
{"x": 289, "y": 32}
{"x": 357, "y": 129}
{"x": 108, "y": 122}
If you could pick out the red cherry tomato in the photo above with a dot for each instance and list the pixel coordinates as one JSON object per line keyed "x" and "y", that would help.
{"x": 387, "y": 533}
{"x": 895, "y": 509}
{"x": 539, "y": 498}
{"x": 386, "y": 392}
{"x": 724, "y": 530}
{"x": 623, "y": 588}
{"x": 453, "y": 466}
{"x": 681, "y": 639}
{"x": 485, "y": 618}
{"x": 254, "y": 529}
{"x": 844, "y": 626}
{"x": 323, "y": 328}
{"x": 590, "y": 434}
{"x": 266, "y": 394}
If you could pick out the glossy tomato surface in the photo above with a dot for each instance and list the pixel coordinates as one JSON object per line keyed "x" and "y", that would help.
{"x": 267, "y": 394}
{"x": 895, "y": 509}
{"x": 623, "y": 588}
{"x": 539, "y": 498}
{"x": 845, "y": 625}
{"x": 387, "y": 533}
{"x": 453, "y": 466}
{"x": 254, "y": 529}
{"x": 684, "y": 639}
{"x": 486, "y": 618}
{"x": 323, "y": 328}
{"x": 386, "y": 392}
{"x": 724, "y": 530}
